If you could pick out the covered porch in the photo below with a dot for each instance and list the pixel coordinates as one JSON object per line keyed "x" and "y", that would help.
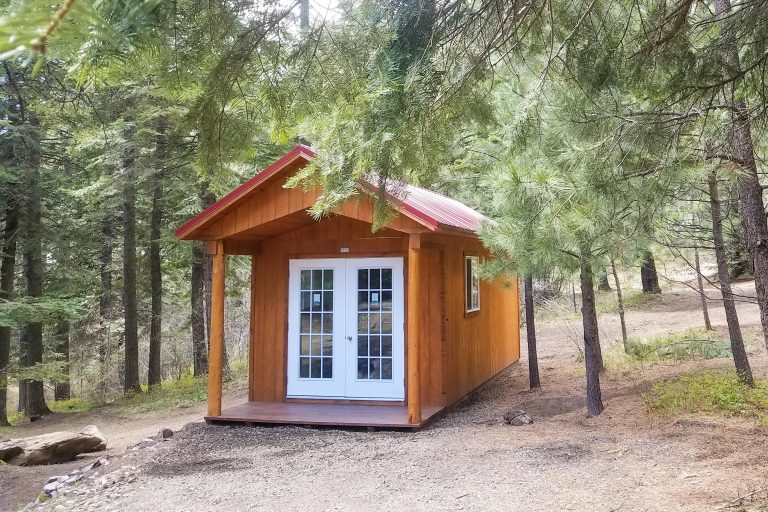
{"x": 324, "y": 414}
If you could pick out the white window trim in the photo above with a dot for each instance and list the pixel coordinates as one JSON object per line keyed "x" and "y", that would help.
{"x": 468, "y": 284}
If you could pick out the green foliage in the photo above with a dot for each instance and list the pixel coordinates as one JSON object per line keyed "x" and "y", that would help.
{"x": 73, "y": 405}
{"x": 183, "y": 392}
{"x": 710, "y": 392}
{"x": 45, "y": 310}
{"x": 689, "y": 344}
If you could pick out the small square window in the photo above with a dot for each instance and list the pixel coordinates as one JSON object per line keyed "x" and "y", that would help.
{"x": 472, "y": 283}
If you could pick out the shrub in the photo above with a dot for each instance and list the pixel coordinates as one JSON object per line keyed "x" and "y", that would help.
{"x": 715, "y": 391}
{"x": 689, "y": 344}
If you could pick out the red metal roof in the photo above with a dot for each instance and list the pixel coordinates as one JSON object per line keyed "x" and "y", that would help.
{"x": 428, "y": 208}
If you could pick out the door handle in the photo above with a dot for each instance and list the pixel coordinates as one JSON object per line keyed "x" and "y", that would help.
{"x": 349, "y": 338}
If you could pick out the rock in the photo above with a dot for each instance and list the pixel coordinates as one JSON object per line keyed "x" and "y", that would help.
{"x": 517, "y": 418}
{"x": 166, "y": 433}
{"x": 10, "y": 449}
{"x": 93, "y": 430}
{"x": 51, "y": 448}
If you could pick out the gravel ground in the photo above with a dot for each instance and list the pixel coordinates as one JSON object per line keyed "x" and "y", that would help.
{"x": 627, "y": 459}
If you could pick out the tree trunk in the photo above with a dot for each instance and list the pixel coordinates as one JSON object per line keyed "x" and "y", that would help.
{"x": 7, "y": 274}
{"x": 131, "y": 377}
{"x": 62, "y": 388}
{"x": 648, "y": 275}
{"x": 591, "y": 346}
{"x": 32, "y": 333}
{"x": 106, "y": 299}
{"x": 530, "y": 330}
{"x": 304, "y": 14}
{"x": 740, "y": 358}
{"x": 208, "y": 198}
{"x": 620, "y": 300}
{"x": 603, "y": 285}
{"x": 154, "y": 375}
{"x": 750, "y": 192}
{"x": 199, "y": 345}
{"x": 700, "y": 281}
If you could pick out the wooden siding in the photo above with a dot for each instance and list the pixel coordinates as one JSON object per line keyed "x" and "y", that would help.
{"x": 459, "y": 352}
{"x": 272, "y": 210}
{"x": 270, "y": 289}
{"x": 476, "y": 346}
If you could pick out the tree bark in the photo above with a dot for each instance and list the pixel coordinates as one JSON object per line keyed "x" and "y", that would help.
{"x": 131, "y": 346}
{"x": 199, "y": 345}
{"x": 620, "y": 300}
{"x": 591, "y": 345}
{"x": 61, "y": 390}
{"x": 208, "y": 198}
{"x": 740, "y": 359}
{"x": 32, "y": 333}
{"x": 154, "y": 375}
{"x": 750, "y": 192}
{"x": 648, "y": 275}
{"x": 7, "y": 274}
{"x": 700, "y": 281}
{"x": 106, "y": 299}
{"x": 530, "y": 330}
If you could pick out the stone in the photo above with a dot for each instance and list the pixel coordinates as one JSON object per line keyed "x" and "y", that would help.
{"x": 517, "y": 418}
{"x": 166, "y": 433}
{"x": 52, "y": 448}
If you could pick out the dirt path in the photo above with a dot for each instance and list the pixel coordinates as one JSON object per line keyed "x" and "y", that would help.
{"x": 628, "y": 459}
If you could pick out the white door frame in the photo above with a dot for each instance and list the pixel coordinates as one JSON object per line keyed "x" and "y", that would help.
{"x": 391, "y": 389}
{"x": 315, "y": 387}
{"x": 345, "y": 383}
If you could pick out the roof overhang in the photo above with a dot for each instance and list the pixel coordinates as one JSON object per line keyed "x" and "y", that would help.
{"x": 299, "y": 156}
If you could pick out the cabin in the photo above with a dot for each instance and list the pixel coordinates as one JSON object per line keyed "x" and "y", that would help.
{"x": 351, "y": 327}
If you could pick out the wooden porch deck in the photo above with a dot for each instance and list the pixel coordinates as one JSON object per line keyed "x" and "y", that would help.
{"x": 339, "y": 415}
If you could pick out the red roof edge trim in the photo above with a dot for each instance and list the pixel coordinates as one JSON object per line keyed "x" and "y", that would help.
{"x": 298, "y": 150}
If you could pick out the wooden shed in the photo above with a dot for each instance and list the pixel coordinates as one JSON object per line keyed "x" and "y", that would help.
{"x": 349, "y": 326}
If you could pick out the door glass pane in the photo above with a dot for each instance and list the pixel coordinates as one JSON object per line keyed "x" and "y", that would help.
{"x": 327, "y": 368}
{"x": 362, "y": 279}
{"x": 316, "y": 324}
{"x": 386, "y": 323}
{"x": 327, "y": 323}
{"x": 374, "y": 305}
{"x": 386, "y": 346}
{"x": 315, "y": 368}
{"x": 306, "y": 283}
{"x": 362, "y": 301}
{"x": 317, "y": 279}
{"x": 316, "y": 340}
{"x": 386, "y": 368}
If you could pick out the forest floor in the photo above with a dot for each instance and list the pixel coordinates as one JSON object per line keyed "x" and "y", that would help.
{"x": 630, "y": 458}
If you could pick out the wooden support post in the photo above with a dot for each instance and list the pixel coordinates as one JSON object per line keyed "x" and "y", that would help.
{"x": 414, "y": 315}
{"x": 215, "y": 357}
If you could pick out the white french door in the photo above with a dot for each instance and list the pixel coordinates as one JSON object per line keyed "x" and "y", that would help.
{"x": 345, "y": 328}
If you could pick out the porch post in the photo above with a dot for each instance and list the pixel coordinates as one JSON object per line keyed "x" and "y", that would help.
{"x": 215, "y": 358}
{"x": 414, "y": 314}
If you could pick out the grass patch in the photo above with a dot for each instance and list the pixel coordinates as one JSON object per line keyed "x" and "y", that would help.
{"x": 608, "y": 303}
{"x": 711, "y": 392}
{"x": 71, "y": 405}
{"x": 689, "y": 344}
{"x": 183, "y": 392}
